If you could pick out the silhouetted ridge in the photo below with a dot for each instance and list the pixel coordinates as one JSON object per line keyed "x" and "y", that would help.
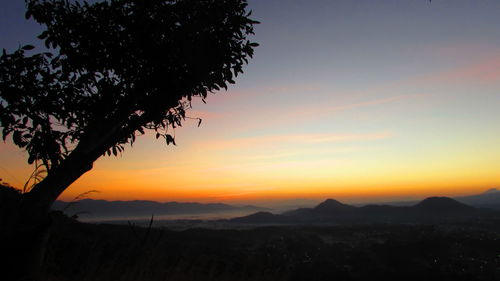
{"x": 430, "y": 210}
{"x": 259, "y": 217}
{"x": 488, "y": 199}
{"x": 115, "y": 209}
{"x": 374, "y": 209}
{"x": 491, "y": 190}
{"x": 442, "y": 204}
{"x": 332, "y": 205}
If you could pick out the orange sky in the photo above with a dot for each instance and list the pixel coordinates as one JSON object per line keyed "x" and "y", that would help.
{"x": 349, "y": 101}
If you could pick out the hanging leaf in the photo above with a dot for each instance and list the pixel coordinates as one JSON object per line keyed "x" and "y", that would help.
{"x": 169, "y": 139}
{"x": 28, "y": 47}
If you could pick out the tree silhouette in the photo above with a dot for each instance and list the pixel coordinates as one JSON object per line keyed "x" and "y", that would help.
{"x": 113, "y": 70}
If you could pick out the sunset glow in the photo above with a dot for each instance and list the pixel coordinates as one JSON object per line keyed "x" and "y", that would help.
{"x": 343, "y": 101}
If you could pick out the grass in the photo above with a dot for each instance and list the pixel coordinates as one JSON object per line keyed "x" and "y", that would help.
{"x": 80, "y": 251}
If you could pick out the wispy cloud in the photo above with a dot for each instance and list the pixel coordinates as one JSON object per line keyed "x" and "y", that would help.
{"x": 287, "y": 154}
{"x": 467, "y": 62}
{"x": 205, "y": 115}
{"x": 485, "y": 71}
{"x": 273, "y": 140}
{"x": 329, "y": 108}
{"x": 332, "y": 109}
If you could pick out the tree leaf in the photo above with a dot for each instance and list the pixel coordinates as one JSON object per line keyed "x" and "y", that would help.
{"x": 28, "y": 47}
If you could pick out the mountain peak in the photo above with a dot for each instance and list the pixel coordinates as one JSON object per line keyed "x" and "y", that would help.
{"x": 491, "y": 190}
{"x": 331, "y": 201}
{"x": 330, "y": 205}
{"x": 259, "y": 217}
{"x": 440, "y": 204}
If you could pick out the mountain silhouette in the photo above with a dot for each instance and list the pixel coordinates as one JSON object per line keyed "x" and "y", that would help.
{"x": 488, "y": 199}
{"x": 432, "y": 209}
{"x": 91, "y": 208}
{"x": 260, "y": 217}
{"x": 333, "y": 206}
{"x": 491, "y": 190}
{"x": 328, "y": 207}
{"x": 443, "y": 204}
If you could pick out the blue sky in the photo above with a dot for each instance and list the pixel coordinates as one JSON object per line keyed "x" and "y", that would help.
{"x": 345, "y": 99}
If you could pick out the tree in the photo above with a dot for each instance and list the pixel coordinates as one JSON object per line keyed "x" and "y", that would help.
{"x": 113, "y": 70}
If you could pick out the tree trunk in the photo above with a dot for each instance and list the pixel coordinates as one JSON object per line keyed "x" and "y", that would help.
{"x": 25, "y": 222}
{"x": 24, "y": 249}
{"x": 23, "y": 238}
{"x": 24, "y": 218}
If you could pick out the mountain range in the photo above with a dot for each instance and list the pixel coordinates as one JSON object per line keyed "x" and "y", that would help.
{"x": 102, "y": 209}
{"x": 432, "y": 209}
{"x": 488, "y": 199}
{"x": 329, "y": 210}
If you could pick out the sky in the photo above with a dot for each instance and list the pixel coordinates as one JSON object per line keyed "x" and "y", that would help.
{"x": 354, "y": 100}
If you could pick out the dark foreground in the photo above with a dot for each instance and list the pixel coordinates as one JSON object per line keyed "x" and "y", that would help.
{"x": 464, "y": 251}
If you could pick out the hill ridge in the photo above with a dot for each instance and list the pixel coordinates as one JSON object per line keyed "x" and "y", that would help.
{"x": 331, "y": 210}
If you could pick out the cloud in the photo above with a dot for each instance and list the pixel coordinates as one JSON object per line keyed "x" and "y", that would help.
{"x": 205, "y": 115}
{"x": 473, "y": 63}
{"x": 297, "y": 139}
{"x": 280, "y": 167}
{"x": 325, "y": 109}
{"x": 485, "y": 71}
{"x": 332, "y": 109}
{"x": 287, "y": 154}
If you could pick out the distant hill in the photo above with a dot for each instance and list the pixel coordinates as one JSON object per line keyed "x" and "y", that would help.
{"x": 331, "y": 206}
{"x": 488, "y": 199}
{"x": 440, "y": 205}
{"x": 329, "y": 210}
{"x": 433, "y": 209}
{"x": 259, "y": 217}
{"x": 90, "y": 208}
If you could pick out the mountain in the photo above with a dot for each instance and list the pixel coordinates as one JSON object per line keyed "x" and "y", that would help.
{"x": 380, "y": 210}
{"x": 440, "y": 205}
{"x": 488, "y": 199}
{"x": 90, "y": 208}
{"x": 433, "y": 209}
{"x": 333, "y": 206}
{"x": 260, "y": 218}
{"x": 325, "y": 211}
{"x": 491, "y": 190}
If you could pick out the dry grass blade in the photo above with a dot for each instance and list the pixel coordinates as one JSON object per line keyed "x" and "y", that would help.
{"x": 77, "y": 198}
